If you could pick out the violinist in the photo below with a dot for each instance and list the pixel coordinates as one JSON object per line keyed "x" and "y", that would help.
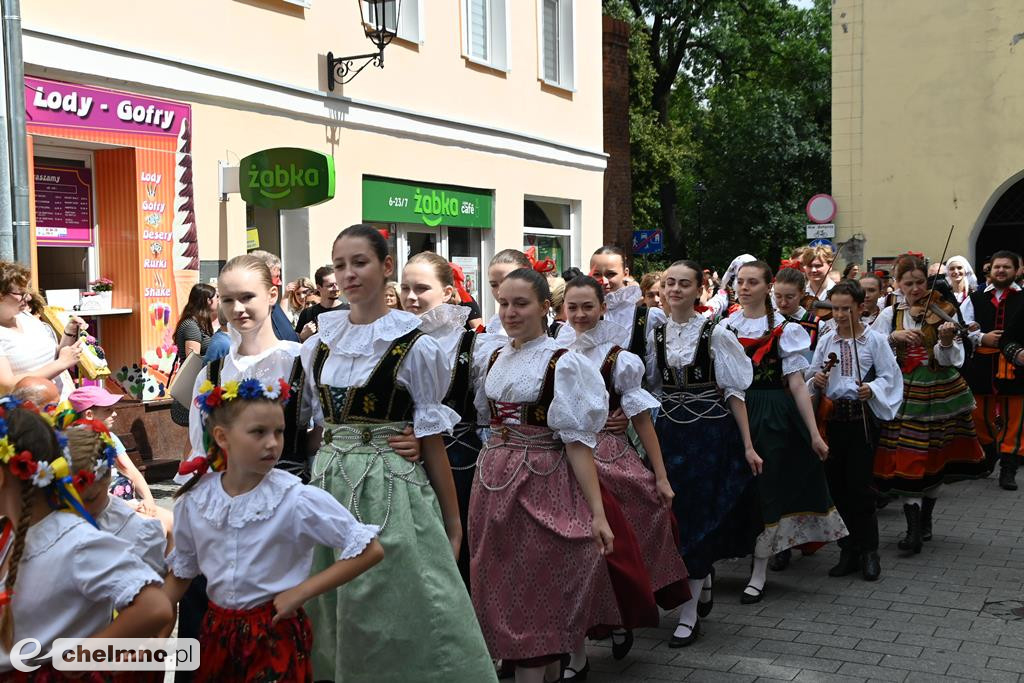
{"x": 788, "y": 291}
{"x": 865, "y": 386}
{"x": 817, "y": 263}
{"x": 932, "y": 440}
{"x": 999, "y": 394}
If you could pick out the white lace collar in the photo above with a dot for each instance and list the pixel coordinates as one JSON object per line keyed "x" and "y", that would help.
{"x": 627, "y": 296}
{"x": 220, "y": 509}
{"x": 605, "y": 332}
{"x": 343, "y": 336}
{"x": 444, "y": 318}
{"x": 535, "y": 344}
{"x": 672, "y": 327}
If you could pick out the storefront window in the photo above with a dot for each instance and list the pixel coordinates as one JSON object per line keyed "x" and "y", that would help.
{"x": 65, "y": 219}
{"x": 548, "y": 228}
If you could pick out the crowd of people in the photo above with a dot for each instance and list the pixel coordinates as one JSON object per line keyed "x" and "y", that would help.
{"x": 379, "y": 484}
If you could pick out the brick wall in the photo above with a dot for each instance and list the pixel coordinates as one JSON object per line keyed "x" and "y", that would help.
{"x": 618, "y": 186}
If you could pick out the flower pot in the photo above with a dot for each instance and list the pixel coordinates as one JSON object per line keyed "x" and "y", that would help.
{"x": 105, "y": 299}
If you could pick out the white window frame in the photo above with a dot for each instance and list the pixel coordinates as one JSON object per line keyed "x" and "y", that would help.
{"x": 86, "y": 156}
{"x": 566, "y": 48}
{"x": 499, "y": 43}
{"x": 410, "y": 19}
{"x": 572, "y": 232}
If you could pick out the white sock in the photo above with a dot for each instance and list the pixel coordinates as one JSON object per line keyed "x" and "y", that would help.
{"x": 912, "y": 501}
{"x": 758, "y": 576}
{"x": 578, "y": 659}
{"x": 688, "y": 612}
{"x": 533, "y": 674}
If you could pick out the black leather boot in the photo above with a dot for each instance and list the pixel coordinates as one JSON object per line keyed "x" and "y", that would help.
{"x": 849, "y": 562}
{"x": 927, "y": 505}
{"x": 912, "y": 541}
{"x": 871, "y": 566}
{"x": 1008, "y": 471}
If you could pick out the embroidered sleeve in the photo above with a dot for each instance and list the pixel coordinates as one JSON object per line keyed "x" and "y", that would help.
{"x": 107, "y": 567}
{"x": 183, "y": 562}
{"x": 887, "y": 387}
{"x": 321, "y": 519}
{"x": 425, "y": 373}
{"x": 794, "y": 346}
{"x": 580, "y": 406}
{"x": 627, "y": 377}
{"x": 733, "y": 370}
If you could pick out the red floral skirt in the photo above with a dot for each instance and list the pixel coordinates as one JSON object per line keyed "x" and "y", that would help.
{"x": 243, "y": 645}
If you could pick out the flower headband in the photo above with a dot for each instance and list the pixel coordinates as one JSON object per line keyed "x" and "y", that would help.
{"x": 212, "y": 397}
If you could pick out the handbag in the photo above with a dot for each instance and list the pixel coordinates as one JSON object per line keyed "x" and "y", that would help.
{"x": 184, "y": 379}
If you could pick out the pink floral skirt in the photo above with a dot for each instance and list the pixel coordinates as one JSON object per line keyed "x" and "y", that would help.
{"x": 624, "y": 474}
{"x": 539, "y": 579}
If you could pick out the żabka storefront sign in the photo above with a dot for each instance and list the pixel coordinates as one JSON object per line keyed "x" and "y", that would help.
{"x": 52, "y": 103}
{"x": 286, "y": 178}
{"x": 398, "y": 201}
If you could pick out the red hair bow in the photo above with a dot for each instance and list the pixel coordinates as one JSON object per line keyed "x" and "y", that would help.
{"x": 460, "y": 283}
{"x": 543, "y": 267}
{"x": 199, "y": 464}
{"x": 879, "y": 273}
{"x": 916, "y": 254}
{"x": 793, "y": 263}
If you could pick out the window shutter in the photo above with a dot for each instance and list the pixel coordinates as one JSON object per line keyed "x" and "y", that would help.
{"x": 551, "y": 60}
{"x": 478, "y": 47}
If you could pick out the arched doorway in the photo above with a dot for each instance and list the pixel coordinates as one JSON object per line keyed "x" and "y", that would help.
{"x": 1004, "y": 226}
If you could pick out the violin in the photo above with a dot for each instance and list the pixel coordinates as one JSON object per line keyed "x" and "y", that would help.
{"x": 938, "y": 312}
{"x": 821, "y": 309}
{"x": 823, "y": 409}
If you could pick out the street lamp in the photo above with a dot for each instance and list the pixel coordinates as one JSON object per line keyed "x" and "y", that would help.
{"x": 380, "y": 23}
{"x": 700, "y": 192}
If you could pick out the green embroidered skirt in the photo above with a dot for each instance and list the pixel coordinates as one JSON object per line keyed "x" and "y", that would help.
{"x": 409, "y": 617}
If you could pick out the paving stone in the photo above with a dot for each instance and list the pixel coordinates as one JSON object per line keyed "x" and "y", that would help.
{"x": 875, "y": 673}
{"x": 809, "y": 663}
{"x": 718, "y": 677}
{"x": 786, "y": 648}
{"x": 852, "y": 656}
{"x": 826, "y": 639}
{"x": 866, "y": 633}
{"x": 759, "y": 668}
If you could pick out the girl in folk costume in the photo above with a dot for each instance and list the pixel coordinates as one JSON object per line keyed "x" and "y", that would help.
{"x": 788, "y": 292}
{"x": 644, "y": 496}
{"x": 64, "y": 577}
{"x": 503, "y": 263}
{"x": 961, "y": 278}
{"x": 872, "y": 286}
{"x": 608, "y": 266}
{"x": 369, "y": 372}
{"x": 795, "y": 503}
{"x": 864, "y": 386}
{"x": 817, "y": 262}
{"x": 723, "y": 303}
{"x": 701, "y": 373}
{"x": 932, "y": 440}
{"x": 427, "y": 281}
{"x": 536, "y": 513}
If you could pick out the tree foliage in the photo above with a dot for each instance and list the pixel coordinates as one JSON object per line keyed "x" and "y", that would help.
{"x": 734, "y": 96}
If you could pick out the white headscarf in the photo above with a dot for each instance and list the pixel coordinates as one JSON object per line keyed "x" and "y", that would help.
{"x": 734, "y": 268}
{"x": 972, "y": 279}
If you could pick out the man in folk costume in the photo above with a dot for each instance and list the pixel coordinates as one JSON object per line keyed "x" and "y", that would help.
{"x": 998, "y": 390}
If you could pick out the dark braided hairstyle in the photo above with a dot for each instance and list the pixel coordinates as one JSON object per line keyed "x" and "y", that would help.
{"x": 766, "y": 275}
{"x": 26, "y": 431}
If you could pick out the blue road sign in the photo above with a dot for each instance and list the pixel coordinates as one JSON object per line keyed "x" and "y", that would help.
{"x": 821, "y": 243}
{"x": 647, "y": 242}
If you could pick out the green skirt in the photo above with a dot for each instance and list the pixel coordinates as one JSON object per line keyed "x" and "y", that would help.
{"x": 409, "y": 617}
{"x": 795, "y": 501}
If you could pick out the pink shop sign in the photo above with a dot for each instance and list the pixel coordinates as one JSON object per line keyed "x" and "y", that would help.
{"x": 54, "y": 103}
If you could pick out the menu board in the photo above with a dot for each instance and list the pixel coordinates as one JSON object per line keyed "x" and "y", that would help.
{"x": 63, "y": 204}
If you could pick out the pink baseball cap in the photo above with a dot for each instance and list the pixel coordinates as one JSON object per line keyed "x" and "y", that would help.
{"x": 92, "y": 396}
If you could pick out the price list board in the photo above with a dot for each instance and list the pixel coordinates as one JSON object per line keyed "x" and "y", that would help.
{"x": 63, "y": 207}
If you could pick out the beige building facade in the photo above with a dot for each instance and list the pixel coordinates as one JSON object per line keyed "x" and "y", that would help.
{"x": 926, "y": 115}
{"x": 497, "y": 103}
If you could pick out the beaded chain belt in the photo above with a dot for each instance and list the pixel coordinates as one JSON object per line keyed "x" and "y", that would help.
{"x": 510, "y": 438}
{"x": 340, "y": 440}
{"x": 623, "y": 443}
{"x": 458, "y": 436}
{"x": 706, "y": 405}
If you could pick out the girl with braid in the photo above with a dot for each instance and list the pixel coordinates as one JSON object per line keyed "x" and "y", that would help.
{"x": 64, "y": 577}
{"x": 795, "y": 503}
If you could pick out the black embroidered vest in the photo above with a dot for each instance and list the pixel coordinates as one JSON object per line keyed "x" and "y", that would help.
{"x": 608, "y": 375}
{"x": 460, "y": 391}
{"x": 809, "y": 322}
{"x": 988, "y": 372}
{"x": 638, "y": 332}
{"x": 696, "y": 377}
{"x": 536, "y": 413}
{"x": 382, "y": 399}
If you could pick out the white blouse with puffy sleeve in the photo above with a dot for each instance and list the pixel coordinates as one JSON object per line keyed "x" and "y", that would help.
{"x": 355, "y": 351}
{"x": 580, "y": 405}
{"x": 733, "y": 370}
{"x": 794, "y": 343}
{"x": 628, "y": 373}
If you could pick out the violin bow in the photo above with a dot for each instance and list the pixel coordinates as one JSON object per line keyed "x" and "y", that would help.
{"x": 860, "y": 377}
{"x": 942, "y": 259}
{"x": 835, "y": 257}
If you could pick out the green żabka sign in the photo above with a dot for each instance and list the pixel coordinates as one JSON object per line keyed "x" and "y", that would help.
{"x": 390, "y": 201}
{"x": 286, "y": 178}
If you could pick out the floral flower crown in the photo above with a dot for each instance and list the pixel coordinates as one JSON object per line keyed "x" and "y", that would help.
{"x": 212, "y": 397}
{"x": 55, "y": 476}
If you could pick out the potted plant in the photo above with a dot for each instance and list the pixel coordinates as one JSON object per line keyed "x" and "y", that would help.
{"x": 103, "y": 289}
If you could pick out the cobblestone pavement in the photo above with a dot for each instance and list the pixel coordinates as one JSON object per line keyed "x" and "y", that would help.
{"x": 941, "y": 615}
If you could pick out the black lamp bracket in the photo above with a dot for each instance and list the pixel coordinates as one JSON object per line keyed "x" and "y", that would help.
{"x": 341, "y": 70}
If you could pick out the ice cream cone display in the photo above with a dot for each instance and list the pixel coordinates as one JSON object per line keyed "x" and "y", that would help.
{"x": 186, "y": 256}
{"x": 183, "y": 281}
{"x": 92, "y": 362}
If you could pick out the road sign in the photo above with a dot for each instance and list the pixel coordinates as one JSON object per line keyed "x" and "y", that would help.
{"x": 822, "y": 243}
{"x": 647, "y": 242}
{"x": 821, "y": 208}
{"x": 826, "y": 231}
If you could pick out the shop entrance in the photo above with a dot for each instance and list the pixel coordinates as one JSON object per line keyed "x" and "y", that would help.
{"x": 461, "y": 246}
